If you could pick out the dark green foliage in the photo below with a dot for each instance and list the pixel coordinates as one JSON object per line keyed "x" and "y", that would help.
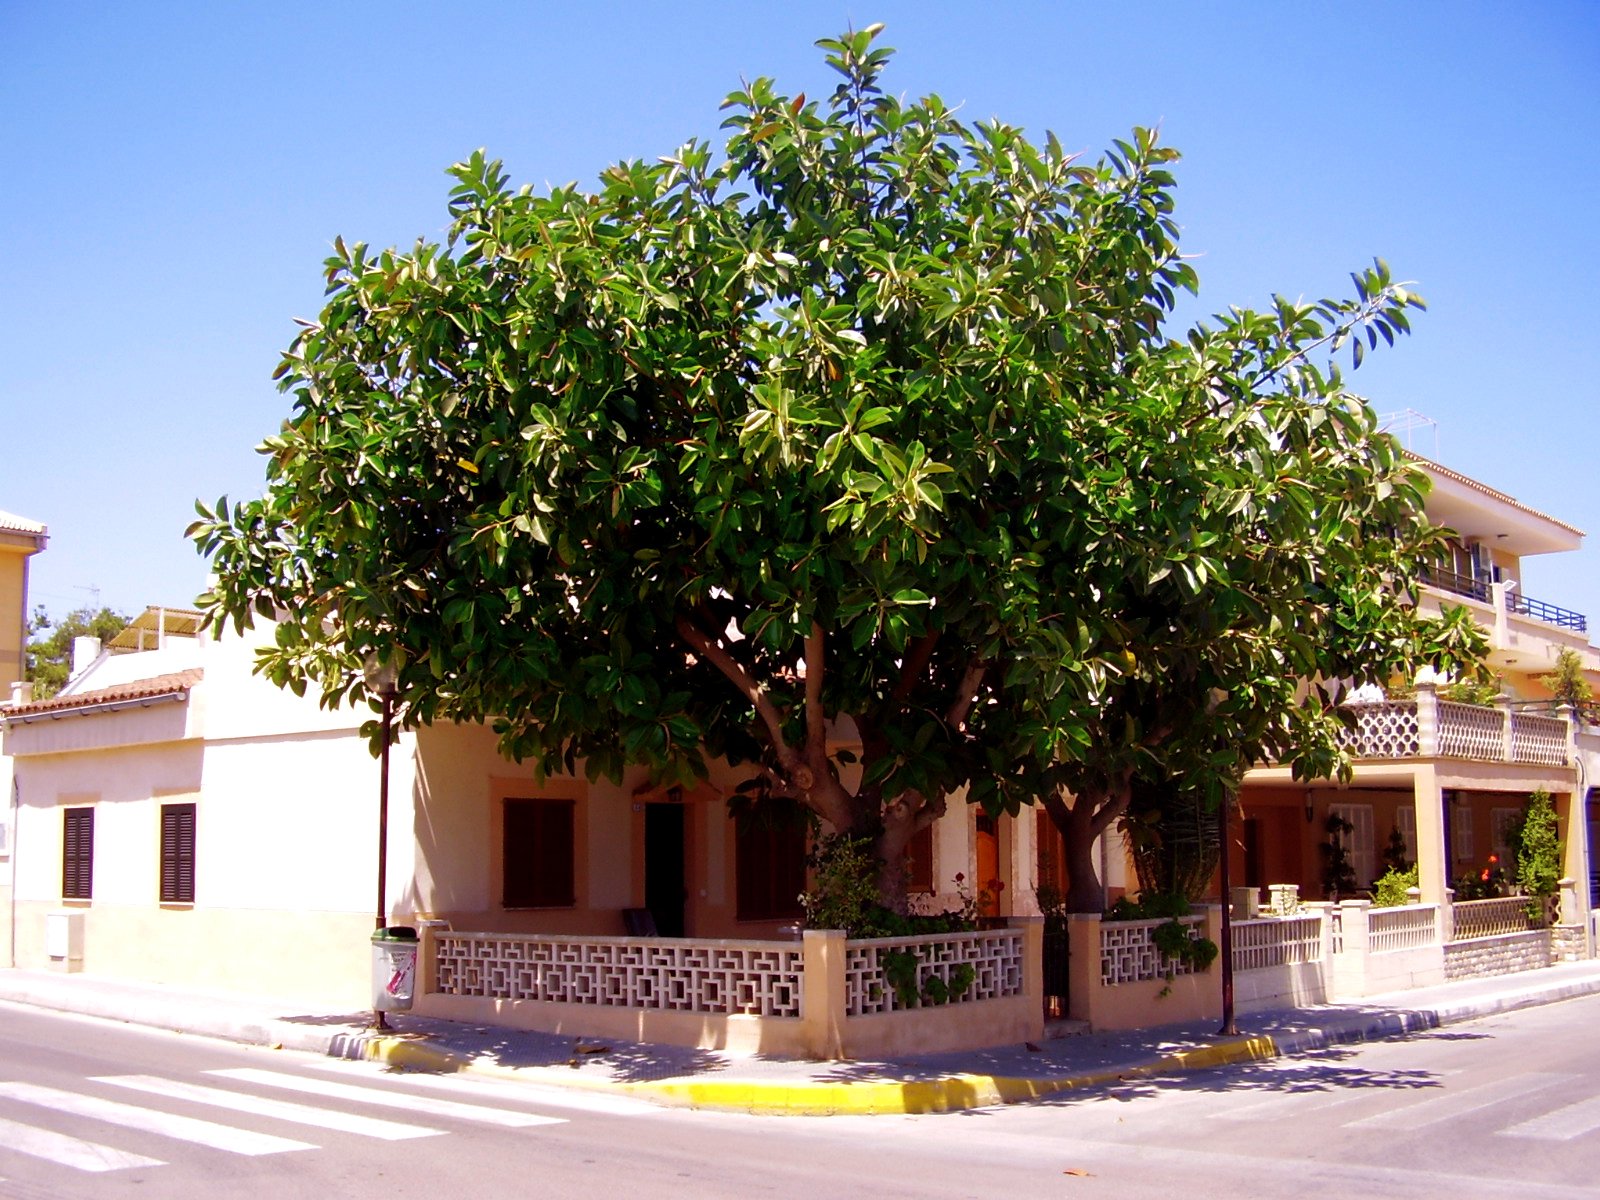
{"x": 50, "y": 656}
{"x": 1394, "y": 851}
{"x": 1537, "y": 850}
{"x": 1338, "y": 875}
{"x": 875, "y": 392}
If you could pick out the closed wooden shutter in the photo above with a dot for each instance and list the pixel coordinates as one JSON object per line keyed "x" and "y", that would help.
{"x": 770, "y": 865}
{"x": 538, "y": 854}
{"x": 919, "y": 862}
{"x": 77, "y": 853}
{"x": 177, "y": 854}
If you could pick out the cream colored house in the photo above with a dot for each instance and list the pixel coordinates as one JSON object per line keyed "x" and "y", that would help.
{"x": 181, "y": 820}
{"x": 1444, "y": 775}
{"x": 20, "y": 540}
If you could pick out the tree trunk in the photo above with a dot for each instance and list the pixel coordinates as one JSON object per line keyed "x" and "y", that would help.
{"x": 1081, "y": 820}
{"x": 899, "y": 827}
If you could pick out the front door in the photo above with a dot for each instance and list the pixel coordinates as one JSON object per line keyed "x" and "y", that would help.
{"x": 664, "y": 891}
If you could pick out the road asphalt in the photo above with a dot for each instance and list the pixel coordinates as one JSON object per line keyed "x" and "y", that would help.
{"x": 716, "y": 1079}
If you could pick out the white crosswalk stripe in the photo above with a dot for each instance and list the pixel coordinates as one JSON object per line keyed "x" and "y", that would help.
{"x": 1561, "y": 1125}
{"x": 1458, "y": 1103}
{"x": 421, "y": 1105}
{"x": 513, "y": 1091}
{"x": 266, "y": 1106}
{"x": 68, "y": 1151}
{"x": 149, "y": 1120}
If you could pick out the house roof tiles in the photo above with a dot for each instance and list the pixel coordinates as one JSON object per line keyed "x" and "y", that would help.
{"x": 138, "y": 689}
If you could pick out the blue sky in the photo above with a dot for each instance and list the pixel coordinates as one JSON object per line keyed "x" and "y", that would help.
{"x": 174, "y": 174}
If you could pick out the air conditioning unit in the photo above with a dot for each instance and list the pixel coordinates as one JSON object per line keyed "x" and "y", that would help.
{"x": 63, "y": 940}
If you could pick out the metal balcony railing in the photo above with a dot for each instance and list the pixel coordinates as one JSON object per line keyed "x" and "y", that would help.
{"x": 1563, "y": 618}
{"x": 1454, "y": 581}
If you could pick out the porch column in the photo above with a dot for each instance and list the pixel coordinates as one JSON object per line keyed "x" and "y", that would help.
{"x": 1433, "y": 856}
{"x": 1023, "y": 875}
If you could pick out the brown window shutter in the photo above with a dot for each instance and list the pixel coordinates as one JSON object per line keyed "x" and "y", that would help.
{"x": 919, "y": 861}
{"x": 77, "y": 853}
{"x": 538, "y": 841}
{"x": 770, "y": 866}
{"x": 177, "y": 854}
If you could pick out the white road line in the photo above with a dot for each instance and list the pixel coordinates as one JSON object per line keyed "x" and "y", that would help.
{"x": 1458, "y": 1104}
{"x": 1331, "y": 1094}
{"x": 511, "y": 1090}
{"x": 266, "y": 1106}
{"x": 68, "y": 1151}
{"x": 1561, "y": 1124}
{"x": 422, "y": 1105}
{"x": 148, "y": 1120}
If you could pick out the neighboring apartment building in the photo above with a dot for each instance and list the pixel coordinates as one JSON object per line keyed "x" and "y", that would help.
{"x": 20, "y": 540}
{"x": 1448, "y": 776}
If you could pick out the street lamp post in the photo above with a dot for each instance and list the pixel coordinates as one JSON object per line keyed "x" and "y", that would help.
{"x": 1229, "y": 1028}
{"x": 382, "y": 678}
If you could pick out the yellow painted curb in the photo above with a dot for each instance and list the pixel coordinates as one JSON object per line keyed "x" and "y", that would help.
{"x": 950, "y": 1093}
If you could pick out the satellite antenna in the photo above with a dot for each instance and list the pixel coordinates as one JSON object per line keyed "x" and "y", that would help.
{"x": 1405, "y": 424}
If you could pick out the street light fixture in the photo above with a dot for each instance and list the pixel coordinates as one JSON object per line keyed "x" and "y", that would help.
{"x": 383, "y": 679}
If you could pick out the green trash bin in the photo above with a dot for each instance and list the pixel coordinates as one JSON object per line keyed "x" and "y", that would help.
{"x": 394, "y": 968}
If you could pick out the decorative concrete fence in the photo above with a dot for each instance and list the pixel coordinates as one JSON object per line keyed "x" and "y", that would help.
{"x": 1121, "y": 980}
{"x": 1497, "y": 937}
{"x": 822, "y": 997}
{"x": 1428, "y": 727}
{"x": 1280, "y": 962}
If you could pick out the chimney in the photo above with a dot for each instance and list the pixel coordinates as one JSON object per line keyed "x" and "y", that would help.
{"x": 22, "y": 692}
{"x": 84, "y": 651}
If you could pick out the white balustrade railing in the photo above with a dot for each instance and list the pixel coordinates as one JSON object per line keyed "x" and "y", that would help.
{"x": 1471, "y": 731}
{"x": 1538, "y": 739}
{"x": 1277, "y": 942}
{"x": 1128, "y": 953}
{"x": 1492, "y": 918}
{"x": 1430, "y": 726}
{"x": 676, "y": 974}
{"x": 1404, "y": 927}
{"x": 1387, "y": 729}
{"x": 993, "y": 955}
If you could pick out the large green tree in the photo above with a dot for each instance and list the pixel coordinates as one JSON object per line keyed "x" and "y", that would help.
{"x": 857, "y": 453}
{"x": 50, "y": 651}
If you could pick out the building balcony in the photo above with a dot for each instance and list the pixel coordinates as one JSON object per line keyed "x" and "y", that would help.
{"x": 1430, "y": 727}
{"x": 1505, "y": 599}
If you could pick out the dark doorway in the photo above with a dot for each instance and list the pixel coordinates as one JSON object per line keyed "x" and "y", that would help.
{"x": 1255, "y": 874}
{"x": 664, "y": 892}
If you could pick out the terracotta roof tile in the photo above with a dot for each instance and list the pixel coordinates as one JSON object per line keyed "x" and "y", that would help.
{"x": 138, "y": 689}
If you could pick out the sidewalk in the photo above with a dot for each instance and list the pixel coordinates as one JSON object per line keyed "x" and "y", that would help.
{"x": 713, "y": 1079}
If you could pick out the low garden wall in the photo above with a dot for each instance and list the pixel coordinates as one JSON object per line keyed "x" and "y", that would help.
{"x": 824, "y": 996}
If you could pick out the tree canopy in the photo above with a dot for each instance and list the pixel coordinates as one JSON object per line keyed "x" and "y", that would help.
{"x": 858, "y": 452}
{"x": 50, "y": 655}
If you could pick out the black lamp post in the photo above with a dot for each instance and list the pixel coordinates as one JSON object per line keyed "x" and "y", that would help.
{"x": 1229, "y": 1028}
{"x": 382, "y": 678}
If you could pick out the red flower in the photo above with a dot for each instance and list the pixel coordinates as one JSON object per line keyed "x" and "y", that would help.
{"x": 960, "y": 878}
{"x": 1485, "y": 875}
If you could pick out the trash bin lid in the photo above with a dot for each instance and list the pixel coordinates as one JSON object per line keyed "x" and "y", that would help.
{"x": 395, "y": 933}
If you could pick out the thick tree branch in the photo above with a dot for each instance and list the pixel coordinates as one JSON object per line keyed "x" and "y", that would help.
{"x": 913, "y": 667}
{"x": 816, "y": 718}
{"x": 718, "y": 656}
{"x": 966, "y": 693}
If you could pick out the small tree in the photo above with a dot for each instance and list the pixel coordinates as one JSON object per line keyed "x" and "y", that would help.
{"x": 1569, "y": 685}
{"x": 1338, "y": 874}
{"x": 1536, "y": 845}
{"x": 50, "y": 655}
{"x": 1394, "y": 852}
